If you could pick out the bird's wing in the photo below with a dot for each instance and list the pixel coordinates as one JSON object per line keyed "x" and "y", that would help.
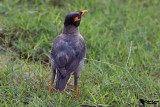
{"x": 67, "y": 53}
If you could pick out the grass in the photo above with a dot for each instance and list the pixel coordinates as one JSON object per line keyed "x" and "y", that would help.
{"x": 123, "y": 46}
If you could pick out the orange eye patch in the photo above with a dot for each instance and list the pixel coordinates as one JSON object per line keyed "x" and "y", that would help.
{"x": 77, "y": 19}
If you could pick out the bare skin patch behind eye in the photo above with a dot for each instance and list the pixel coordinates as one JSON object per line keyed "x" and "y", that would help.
{"x": 78, "y": 18}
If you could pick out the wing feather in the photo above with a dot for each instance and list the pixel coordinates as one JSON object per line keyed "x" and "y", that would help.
{"x": 67, "y": 52}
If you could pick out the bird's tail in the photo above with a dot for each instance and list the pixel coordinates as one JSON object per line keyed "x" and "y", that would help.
{"x": 61, "y": 81}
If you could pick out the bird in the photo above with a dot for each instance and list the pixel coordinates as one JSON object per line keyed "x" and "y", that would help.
{"x": 68, "y": 53}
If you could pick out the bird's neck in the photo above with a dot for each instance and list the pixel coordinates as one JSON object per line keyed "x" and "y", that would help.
{"x": 70, "y": 29}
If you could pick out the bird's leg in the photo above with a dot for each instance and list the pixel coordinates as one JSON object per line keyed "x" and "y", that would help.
{"x": 52, "y": 79}
{"x": 78, "y": 95}
{"x": 76, "y": 86}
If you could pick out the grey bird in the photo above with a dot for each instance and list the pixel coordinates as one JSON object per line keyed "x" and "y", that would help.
{"x": 68, "y": 53}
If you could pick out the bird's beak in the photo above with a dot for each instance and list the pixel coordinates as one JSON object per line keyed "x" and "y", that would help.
{"x": 83, "y": 12}
{"x": 77, "y": 18}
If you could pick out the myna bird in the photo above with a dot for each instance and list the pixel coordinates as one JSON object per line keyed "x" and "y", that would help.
{"x": 68, "y": 53}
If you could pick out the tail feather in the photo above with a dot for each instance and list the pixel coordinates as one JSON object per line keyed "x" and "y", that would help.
{"x": 61, "y": 81}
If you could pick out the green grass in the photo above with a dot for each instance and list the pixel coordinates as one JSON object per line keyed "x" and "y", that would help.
{"x": 124, "y": 36}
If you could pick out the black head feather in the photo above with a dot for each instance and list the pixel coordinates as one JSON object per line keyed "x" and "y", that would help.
{"x": 69, "y": 20}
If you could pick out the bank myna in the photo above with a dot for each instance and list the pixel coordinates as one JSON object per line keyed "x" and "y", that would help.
{"x": 68, "y": 53}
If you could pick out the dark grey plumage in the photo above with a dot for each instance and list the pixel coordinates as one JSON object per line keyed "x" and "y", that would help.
{"x": 68, "y": 53}
{"x": 67, "y": 57}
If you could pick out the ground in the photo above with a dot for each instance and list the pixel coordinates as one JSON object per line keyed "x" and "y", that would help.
{"x": 122, "y": 61}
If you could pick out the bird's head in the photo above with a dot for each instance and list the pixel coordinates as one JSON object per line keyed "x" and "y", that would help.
{"x": 74, "y": 18}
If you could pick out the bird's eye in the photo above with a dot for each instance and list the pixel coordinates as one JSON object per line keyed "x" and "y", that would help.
{"x": 79, "y": 17}
{"x": 81, "y": 13}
